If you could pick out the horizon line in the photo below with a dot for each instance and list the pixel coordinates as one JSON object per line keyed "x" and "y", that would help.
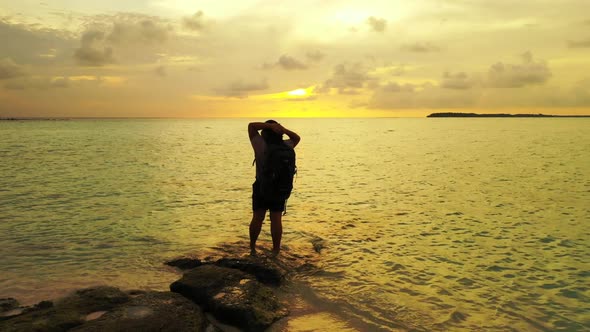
{"x": 11, "y": 118}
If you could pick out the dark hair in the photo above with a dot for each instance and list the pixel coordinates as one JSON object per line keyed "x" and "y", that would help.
{"x": 269, "y": 136}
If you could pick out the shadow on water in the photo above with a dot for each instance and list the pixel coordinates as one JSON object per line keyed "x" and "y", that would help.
{"x": 309, "y": 310}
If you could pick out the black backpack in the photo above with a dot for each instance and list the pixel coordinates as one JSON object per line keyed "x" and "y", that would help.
{"x": 278, "y": 170}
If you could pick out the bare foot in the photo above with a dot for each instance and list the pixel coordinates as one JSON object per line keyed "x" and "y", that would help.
{"x": 253, "y": 252}
{"x": 276, "y": 252}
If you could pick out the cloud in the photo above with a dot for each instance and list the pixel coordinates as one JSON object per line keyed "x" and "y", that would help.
{"x": 398, "y": 71}
{"x": 91, "y": 54}
{"x": 389, "y": 70}
{"x": 419, "y": 96}
{"x": 286, "y": 62}
{"x": 358, "y": 104}
{"x": 90, "y": 37}
{"x": 502, "y": 75}
{"x": 315, "y": 56}
{"x": 581, "y": 93}
{"x": 347, "y": 78}
{"x": 60, "y": 82}
{"x": 377, "y": 24}
{"x": 137, "y": 29}
{"x": 194, "y": 22}
{"x": 50, "y": 54}
{"x": 30, "y": 44}
{"x": 585, "y": 43}
{"x": 15, "y": 85}
{"x": 429, "y": 96}
{"x": 456, "y": 81}
{"x": 9, "y": 69}
{"x": 161, "y": 71}
{"x": 373, "y": 84}
{"x": 39, "y": 83}
{"x": 425, "y": 47}
{"x": 241, "y": 89}
{"x": 396, "y": 87}
{"x": 290, "y": 63}
{"x": 134, "y": 36}
{"x": 462, "y": 90}
{"x": 308, "y": 98}
{"x": 349, "y": 91}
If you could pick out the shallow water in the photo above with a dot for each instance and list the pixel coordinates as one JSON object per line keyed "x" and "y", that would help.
{"x": 427, "y": 224}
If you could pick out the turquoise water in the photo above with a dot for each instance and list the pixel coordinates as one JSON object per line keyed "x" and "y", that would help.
{"x": 429, "y": 224}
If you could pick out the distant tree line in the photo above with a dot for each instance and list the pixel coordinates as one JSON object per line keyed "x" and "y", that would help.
{"x": 499, "y": 115}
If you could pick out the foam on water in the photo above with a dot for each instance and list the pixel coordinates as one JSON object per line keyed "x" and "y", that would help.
{"x": 425, "y": 224}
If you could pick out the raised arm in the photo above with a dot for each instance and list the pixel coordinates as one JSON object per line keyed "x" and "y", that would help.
{"x": 254, "y": 127}
{"x": 292, "y": 136}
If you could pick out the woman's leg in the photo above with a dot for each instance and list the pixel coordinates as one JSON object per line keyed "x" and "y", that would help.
{"x": 276, "y": 230}
{"x": 255, "y": 227}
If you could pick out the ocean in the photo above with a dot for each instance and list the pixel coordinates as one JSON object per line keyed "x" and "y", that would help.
{"x": 426, "y": 224}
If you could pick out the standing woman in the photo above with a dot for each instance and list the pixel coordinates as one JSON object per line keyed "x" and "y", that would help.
{"x": 272, "y": 133}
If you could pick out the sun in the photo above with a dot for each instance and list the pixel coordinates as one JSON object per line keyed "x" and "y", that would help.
{"x": 300, "y": 94}
{"x": 297, "y": 93}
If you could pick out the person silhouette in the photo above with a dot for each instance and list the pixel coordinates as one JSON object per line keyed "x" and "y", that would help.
{"x": 271, "y": 133}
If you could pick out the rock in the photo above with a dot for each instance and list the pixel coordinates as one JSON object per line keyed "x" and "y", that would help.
{"x": 12, "y": 313}
{"x": 8, "y": 304}
{"x": 231, "y": 286}
{"x": 42, "y": 320}
{"x": 184, "y": 263}
{"x": 94, "y": 315}
{"x": 232, "y": 296}
{"x": 9, "y": 308}
{"x": 250, "y": 305}
{"x": 318, "y": 244}
{"x": 109, "y": 309}
{"x": 66, "y": 313}
{"x": 151, "y": 311}
{"x": 94, "y": 299}
{"x": 44, "y": 305}
{"x": 202, "y": 283}
{"x": 264, "y": 270}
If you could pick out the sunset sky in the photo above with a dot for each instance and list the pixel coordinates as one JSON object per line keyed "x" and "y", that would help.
{"x": 275, "y": 58}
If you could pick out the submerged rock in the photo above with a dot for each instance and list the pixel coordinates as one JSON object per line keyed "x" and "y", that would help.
{"x": 43, "y": 305}
{"x": 265, "y": 271}
{"x": 318, "y": 244}
{"x": 94, "y": 299}
{"x": 231, "y": 287}
{"x": 151, "y": 311}
{"x": 185, "y": 263}
{"x": 8, "y": 304}
{"x": 232, "y": 296}
{"x": 9, "y": 308}
{"x": 110, "y": 309}
{"x": 66, "y": 313}
{"x": 293, "y": 261}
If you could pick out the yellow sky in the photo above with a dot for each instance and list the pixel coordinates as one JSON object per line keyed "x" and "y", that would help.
{"x": 276, "y": 58}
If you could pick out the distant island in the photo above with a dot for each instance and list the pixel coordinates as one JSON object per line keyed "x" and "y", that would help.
{"x": 500, "y": 115}
{"x": 34, "y": 119}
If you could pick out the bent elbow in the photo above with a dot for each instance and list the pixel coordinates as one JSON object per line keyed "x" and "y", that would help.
{"x": 252, "y": 130}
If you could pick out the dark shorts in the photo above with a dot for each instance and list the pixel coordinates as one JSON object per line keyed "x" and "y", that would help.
{"x": 259, "y": 202}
